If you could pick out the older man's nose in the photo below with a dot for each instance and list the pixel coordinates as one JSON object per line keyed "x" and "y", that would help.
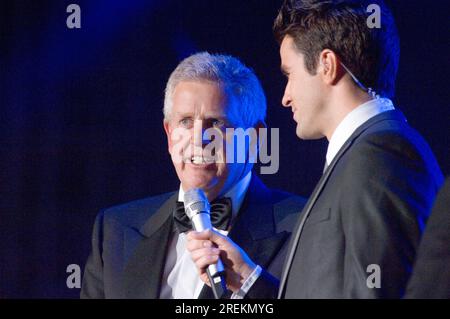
{"x": 198, "y": 136}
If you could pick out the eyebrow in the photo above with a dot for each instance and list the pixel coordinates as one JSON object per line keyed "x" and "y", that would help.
{"x": 184, "y": 114}
{"x": 206, "y": 116}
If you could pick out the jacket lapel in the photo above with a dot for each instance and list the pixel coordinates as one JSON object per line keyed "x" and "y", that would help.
{"x": 389, "y": 115}
{"x": 254, "y": 228}
{"x": 144, "y": 270}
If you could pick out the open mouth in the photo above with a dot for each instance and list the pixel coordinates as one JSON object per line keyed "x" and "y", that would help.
{"x": 200, "y": 160}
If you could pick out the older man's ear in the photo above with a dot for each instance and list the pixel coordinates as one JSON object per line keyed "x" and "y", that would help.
{"x": 261, "y": 138}
{"x": 168, "y": 131}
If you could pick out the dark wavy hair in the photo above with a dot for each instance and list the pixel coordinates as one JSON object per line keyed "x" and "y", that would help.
{"x": 372, "y": 54}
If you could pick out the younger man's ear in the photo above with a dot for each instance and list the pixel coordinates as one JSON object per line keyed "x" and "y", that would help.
{"x": 329, "y": 67}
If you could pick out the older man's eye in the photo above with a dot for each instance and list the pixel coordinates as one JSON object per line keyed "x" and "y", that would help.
{"x": 186, "y": 122}
{"x": 218, "y": 123}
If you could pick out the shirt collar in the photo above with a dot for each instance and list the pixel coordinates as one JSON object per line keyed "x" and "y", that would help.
{"x": 236, "y": 193}
{"x": 352, "y": 121}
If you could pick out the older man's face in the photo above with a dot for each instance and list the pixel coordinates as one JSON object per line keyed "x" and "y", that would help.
{"x": 198, "y": 106}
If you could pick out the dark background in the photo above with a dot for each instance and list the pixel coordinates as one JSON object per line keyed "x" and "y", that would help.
{"x": 81, "y": 121}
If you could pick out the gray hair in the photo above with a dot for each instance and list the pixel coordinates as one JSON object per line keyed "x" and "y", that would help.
{"x": 230, "y": 74}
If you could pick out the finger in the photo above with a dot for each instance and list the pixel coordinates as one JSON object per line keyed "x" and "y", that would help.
{"x": 219, "y": 239}
{"x": 205, "y": 261}
{"x": 199, "y": 253}
{"x": 209, "y": 234}
{"x": 195, "y": 235}
{"x": 198, "y": 244}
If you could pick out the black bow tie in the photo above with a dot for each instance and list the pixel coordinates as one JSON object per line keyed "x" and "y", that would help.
{"x": 220, "y": 215}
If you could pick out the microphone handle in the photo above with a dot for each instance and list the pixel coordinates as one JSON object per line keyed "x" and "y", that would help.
{"x": 216, "y": 272}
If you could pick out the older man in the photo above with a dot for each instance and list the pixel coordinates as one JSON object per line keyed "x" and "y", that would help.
{"x": 139, "y": 249}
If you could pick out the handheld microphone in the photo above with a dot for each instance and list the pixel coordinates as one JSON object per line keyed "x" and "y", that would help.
{"x": 197, "y": 209}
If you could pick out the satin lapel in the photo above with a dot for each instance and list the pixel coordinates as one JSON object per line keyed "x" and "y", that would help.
{"x": 390, "y": 115}
{"x": 144, "y": 270}
{"x": 254, "y": 228}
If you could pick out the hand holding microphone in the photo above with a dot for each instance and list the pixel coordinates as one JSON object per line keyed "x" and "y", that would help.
{"x": 206, "y": 246}
{"x": 197, "y": 209}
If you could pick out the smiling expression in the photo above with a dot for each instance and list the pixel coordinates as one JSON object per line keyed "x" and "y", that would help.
{"x": 197, "y": 106}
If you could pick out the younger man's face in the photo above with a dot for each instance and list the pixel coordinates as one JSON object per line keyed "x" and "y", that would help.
{"x": 303, "y": 92}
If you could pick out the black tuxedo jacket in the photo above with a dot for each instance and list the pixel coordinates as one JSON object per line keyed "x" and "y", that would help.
{"x": 431, "y": 272}
{"x": 130, "y": 242}
{"x": 367, "y": 211}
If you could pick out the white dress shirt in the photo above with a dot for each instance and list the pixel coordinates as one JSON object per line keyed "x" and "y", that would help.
{"x": 180, "y": 278}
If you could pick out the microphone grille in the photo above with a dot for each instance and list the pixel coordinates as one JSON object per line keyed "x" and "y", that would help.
{"x": 195, "y": 202}
{"x": 194, "y": 195}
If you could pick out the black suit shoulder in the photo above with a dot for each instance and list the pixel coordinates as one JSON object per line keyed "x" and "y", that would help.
{"x": 134, "y": 214}
{"x": 395, "y": 138}
{"x": 107, "y": 236}
{"x": 391, "y": 156}
{"x": 386, "y": 153}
